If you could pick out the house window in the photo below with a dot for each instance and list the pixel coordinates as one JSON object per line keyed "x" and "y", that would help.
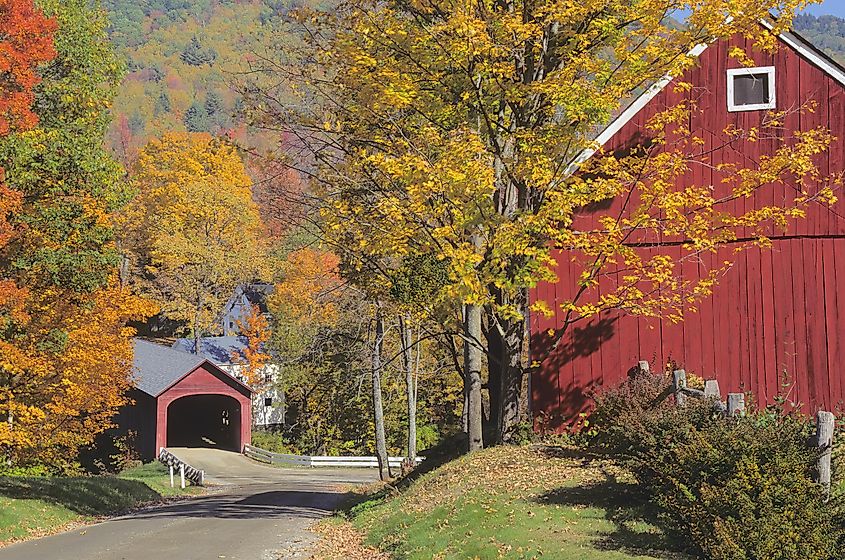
{"x": 268, "y": 401}
{"x": 751, "y": 89}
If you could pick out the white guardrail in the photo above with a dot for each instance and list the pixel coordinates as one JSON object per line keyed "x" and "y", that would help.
{"x": 186, "y": 471}
{"x": 319, "y": 460}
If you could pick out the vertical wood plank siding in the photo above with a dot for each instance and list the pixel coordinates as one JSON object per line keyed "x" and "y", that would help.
{"x": 778, "y": 314}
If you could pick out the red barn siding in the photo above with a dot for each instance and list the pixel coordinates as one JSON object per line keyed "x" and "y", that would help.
{"x": 776, "y": 310}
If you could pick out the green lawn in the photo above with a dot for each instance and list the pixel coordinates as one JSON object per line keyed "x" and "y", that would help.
{"x": 518, "y": 503}
{"x": 33, "y": 506}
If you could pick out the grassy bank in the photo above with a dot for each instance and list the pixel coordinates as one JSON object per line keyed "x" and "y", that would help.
{"x": 34, "y": 506}
{"x": 507, "y": 502}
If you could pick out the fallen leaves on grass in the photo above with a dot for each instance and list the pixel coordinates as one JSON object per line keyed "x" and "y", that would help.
{"x": 341, "y": 541}
{"x": 517, "y": 471}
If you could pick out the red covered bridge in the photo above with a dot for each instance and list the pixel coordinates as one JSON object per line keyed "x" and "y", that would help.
{"x": 778, "y": 313}
{"x": 184, "y": 400}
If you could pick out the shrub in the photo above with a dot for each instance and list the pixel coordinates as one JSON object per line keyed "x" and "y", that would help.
{"x": 735, "y": 488}
{"x": 270, "y": 441}
{"x": 635, "y": 420}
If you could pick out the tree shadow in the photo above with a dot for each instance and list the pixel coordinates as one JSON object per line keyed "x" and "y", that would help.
{"x": 637, "y": 525}
{"x": 83, "y": 495}
{"x": 274, "y": 504}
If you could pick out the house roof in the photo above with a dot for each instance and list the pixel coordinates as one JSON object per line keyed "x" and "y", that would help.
{"x": 801, "y": 45}
{"x": 216, "y": 349}
{"x": 157, "y": 368}
{"x": 250, "y": 294}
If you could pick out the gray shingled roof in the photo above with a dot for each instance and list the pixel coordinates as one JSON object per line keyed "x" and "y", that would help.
{"x": 216, "y": 349}
{"x": 157, "y": 367}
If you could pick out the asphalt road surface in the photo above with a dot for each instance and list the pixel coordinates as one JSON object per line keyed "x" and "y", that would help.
{"x": 255, "y": 512}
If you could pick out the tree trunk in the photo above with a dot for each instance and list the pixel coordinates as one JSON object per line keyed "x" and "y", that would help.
{"x": 196, "y": 326}
{"x": 378, "y": 409}
{"x": 507, "y": 368}
{"x": 410, "y": 385}
{"x": 473, "y": 354}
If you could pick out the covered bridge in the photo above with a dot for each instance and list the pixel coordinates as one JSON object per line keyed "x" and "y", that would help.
{"x": 184, "y": 400}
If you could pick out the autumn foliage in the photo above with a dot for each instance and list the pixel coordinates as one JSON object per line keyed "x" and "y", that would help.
{"x": 65, "y": 350}
{"x": 67, "y": 372}
{"x": 26, "y": 42}
{"x": 305, "y": 293}
{"x": 254, "y": 358}
{"x": 192, "y": 232}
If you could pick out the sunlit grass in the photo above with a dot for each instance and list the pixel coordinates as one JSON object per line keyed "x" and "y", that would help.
{"x": 33, "y": 506}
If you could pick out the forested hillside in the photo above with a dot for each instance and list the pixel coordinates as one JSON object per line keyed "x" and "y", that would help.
{"x": 181, "y": 57}
{"x": 826, "y": 32}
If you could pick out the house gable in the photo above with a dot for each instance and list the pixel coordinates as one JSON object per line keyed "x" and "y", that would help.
{"x": 803, "y": 77}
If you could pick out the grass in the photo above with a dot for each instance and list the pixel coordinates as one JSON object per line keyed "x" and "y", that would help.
{"x": 36, "y": 506}
{"x": 157, "y": 477}
{"x": 508, "y": 502}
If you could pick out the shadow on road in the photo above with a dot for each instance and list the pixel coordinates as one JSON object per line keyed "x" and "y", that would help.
{"x": 265, "y": 505}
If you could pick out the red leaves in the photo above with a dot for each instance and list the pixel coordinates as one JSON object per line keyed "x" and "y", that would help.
{"x": 26, "y": 41}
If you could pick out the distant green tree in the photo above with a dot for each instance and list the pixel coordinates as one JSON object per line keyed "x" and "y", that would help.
{"x": 163, "y": 105}
{"x": 196, "y": 118}
{"x": 136, "y": 123}
{"x": 215, "y": 109}
{"x": 826, "y": 32}
{"x": 195, "y": 55}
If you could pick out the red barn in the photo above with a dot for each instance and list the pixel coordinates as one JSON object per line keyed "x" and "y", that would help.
{"x": 778, "y": 313}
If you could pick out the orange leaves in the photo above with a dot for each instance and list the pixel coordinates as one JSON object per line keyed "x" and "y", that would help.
{"x": 26, "y": 42}
{"x": 305, "y": 294}
{"x": 256, "y": 329}
{"x": 10, "y": 203}
{"x": 67, "y": 372}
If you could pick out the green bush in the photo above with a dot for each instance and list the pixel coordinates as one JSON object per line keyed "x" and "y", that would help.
{"x": 19, "y": 471}
{"x": 270, "y": 441}
{"x": 636, "y": 419}
{"x": 735, "y": 488}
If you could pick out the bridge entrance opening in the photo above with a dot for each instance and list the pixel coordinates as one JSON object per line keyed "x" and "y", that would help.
{"x": 204, "y": 421}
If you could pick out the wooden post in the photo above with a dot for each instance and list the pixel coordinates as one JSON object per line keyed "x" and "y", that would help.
{"x": 644, "y": 367}
{"x": 172, "y": 484}
{"x": 679, "y": 383}
{"x": 182, "y": 474}
{"x": 711, "y": 389}
{"x": 736, "y": 404}
{"x": 825, "y": 423}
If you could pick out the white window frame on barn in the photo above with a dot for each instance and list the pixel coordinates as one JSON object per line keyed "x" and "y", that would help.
{"x": 768, "y": 72}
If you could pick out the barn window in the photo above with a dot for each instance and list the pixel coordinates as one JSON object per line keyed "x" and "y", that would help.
{"x": 751, "y": 89}
{"x": 268, "y": 401}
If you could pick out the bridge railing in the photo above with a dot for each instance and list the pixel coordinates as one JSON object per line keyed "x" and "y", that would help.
{"x": 186, "y": 471}
{"x": 318, "y": 460}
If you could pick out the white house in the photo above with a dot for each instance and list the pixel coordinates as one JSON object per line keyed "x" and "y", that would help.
{"x": 227, "y": 353}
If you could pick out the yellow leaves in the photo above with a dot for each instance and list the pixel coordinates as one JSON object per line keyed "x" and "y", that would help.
{"x": 193, "y": 226}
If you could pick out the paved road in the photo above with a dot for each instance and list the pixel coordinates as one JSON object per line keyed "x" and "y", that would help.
{"x": 256, "y": 513}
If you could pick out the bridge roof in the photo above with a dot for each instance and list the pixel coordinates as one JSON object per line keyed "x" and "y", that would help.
{"x": 156, "y": 368}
